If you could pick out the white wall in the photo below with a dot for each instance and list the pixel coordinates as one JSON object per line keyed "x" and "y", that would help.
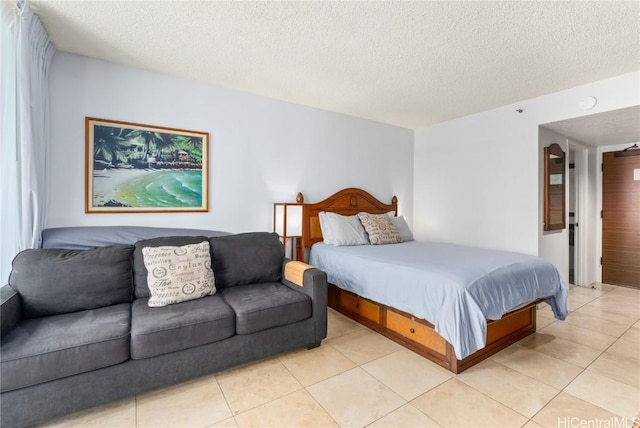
{"x": 261, "y": 150}
{"x": 468, "y": 184}
{"x": 477, "y": 177}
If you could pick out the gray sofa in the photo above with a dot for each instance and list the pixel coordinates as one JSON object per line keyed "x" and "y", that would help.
{"x": 77, "y": 330}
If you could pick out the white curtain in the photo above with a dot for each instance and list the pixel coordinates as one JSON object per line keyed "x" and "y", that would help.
{"x": 24, "y": 82}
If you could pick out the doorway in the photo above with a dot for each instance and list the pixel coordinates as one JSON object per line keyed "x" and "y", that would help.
{"x": 621, "y": 217}
{"x": 572, "y": 217}
{"x": 577, "y": 196}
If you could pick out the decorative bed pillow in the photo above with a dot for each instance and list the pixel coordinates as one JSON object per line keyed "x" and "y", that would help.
{"x": 380, "y": 229}
{"x": 341, "y": 229}
{"x": 178, "y": 274}
{"x": 401, "y": 224}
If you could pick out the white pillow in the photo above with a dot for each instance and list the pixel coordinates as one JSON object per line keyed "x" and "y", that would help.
{"x": 401, "y": 224}
{"x": 342, "y": 230}
{"x": 178, "y": 274}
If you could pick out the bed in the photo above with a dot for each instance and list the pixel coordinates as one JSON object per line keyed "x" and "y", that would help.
{"x": 455, "y": 305}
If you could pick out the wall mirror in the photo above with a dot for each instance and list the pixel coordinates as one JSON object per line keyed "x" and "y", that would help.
{"x": 554, "y": 188}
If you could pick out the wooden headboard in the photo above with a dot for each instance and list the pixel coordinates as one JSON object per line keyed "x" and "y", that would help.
{"x": 349, "y": 201}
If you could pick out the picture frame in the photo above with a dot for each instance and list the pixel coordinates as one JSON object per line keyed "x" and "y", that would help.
{"x": 138, "y": 168}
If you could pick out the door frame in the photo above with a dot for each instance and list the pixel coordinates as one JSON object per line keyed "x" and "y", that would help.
{"x": 581, "y": 177}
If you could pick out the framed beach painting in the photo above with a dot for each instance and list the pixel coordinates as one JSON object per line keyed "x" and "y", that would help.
{"x": 133, "y": 168}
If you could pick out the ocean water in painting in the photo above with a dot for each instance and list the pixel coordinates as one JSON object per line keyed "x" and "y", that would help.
{"x": 163, "y": 189}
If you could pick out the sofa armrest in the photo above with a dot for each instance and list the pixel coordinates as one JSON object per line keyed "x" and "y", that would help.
{"x": 10, "y": 309}
{"x": 313, "y": 282}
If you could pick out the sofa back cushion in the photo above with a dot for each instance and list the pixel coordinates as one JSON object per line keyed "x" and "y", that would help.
{"x": 139, "y": 269}
{"x": 58, "y": 281}
{"x": 246, "y": 258}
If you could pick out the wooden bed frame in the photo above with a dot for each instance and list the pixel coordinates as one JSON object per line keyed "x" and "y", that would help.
{"x": 413, "y": 333}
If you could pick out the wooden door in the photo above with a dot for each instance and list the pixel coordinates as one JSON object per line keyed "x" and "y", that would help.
{"x": 621, "y": 218}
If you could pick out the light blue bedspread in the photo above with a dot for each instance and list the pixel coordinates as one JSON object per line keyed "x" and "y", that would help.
{"x": 454, "y": 287}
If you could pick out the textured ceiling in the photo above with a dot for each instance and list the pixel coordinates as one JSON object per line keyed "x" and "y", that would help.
{"x": 410, "y": 64}
{"x": 602, "y": 129}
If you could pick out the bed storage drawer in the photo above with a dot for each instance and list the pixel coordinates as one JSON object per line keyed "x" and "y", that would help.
{"x": 359, "y": 306}
{"x": 523, "y": 318}
{"x": 414, "y": 330}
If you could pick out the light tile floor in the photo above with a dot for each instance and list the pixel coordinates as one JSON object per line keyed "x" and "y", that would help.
{"x": 584, "y": 371}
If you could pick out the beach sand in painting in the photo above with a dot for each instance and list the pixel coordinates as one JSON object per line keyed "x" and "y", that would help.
{"x": 106, "y": 186}
{"x": 166, "y": 188}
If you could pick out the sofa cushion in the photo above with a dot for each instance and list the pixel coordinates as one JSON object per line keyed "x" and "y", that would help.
{"x": 177, "y": 274}
{"x": 42, "y": 349}
{"x": 58, "y": 281}
{"x": 156, "y": 331}
{"x": 262, "y": 306}
{"x": 140, "y": 273}
{"x": 246, "y": 258}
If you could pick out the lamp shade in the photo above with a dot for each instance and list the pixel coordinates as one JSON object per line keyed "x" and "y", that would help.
{"x": 294, "y": 220}
{"x": 278, "y": 219}
{"x": 287, "y": 222}
{"x": 287, "y": 219}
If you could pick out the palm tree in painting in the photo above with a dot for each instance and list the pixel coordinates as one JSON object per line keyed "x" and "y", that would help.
{"x": 154, "y": 142}
{"x": 110, "y": 145}
{"x": 191, "y": 145}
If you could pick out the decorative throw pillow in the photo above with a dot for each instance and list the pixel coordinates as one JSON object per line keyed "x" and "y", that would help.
{"x": 341, "y": 229}
{"x": 380, "y": 229}
{"x": 140, "y": 272}
{"x": 178, "y": 274}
